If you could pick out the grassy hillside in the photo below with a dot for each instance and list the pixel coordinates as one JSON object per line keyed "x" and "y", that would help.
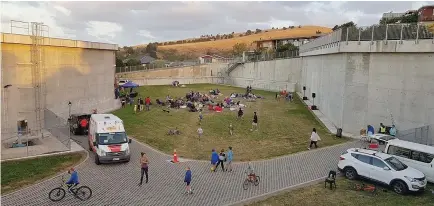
{"x": 224, "y": 46}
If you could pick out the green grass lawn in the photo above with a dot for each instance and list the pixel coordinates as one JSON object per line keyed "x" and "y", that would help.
{"x": 18, "y": 174}
{"x": 317, "y": 195}
{"x": 284, "y": 127}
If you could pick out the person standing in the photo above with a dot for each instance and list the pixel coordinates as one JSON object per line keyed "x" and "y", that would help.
{"x": 187, "y": 180}
{"x": 240, "y": 113}
{"x": 200, "y": 117}
{"x": 231, "y": 129}
{"x": 147, "y": 103}
{"x": 255, "y": 122}
{"x": 314, "y": 138}
{"x": 222, "y": 158}
{"x": 144, "y": 167}
{"x": 229, "y": 160}
{"x": 200, "y": 132}
{"x": 214, "y": 160}
{"x": 392, "y": 131}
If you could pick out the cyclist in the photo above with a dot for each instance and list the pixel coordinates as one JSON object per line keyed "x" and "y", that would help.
{"x": 73, "y": 180}
{"x": 250, "y": 172}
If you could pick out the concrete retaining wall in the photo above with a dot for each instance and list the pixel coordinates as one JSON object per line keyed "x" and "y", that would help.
{"x": 268, "y": 75}
{"x": 207, "y": 73}
{"x": 354, "y": 89}
{"x": 82, "y": 75}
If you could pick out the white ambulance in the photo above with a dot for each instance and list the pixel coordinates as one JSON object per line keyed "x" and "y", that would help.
{"x": 108, "y": 139}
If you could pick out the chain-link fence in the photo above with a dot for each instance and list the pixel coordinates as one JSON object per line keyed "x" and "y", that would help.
{"x": 421, "y": 135}
{"x": 266, "y": 56}
{"x": 388, "y": 32}
{"x": 24, "y": 142}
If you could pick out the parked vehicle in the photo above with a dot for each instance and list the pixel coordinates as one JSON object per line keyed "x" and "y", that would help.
{"x": 79, "y": 124}
{"x": 108, "y": 139}
{"x": 382, "y": 168}
{"x": 418, "y": 156}
{"x": 122, "y": 82}
{"x": 381, "y": 138}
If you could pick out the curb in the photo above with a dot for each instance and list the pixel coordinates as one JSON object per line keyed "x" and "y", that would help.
{"x": 51, "y": 178}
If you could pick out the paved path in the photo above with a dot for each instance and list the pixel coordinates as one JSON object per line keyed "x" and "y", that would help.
{"x": 116, "y": 184}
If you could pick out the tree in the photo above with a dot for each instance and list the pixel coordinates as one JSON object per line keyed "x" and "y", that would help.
{"x": 133, "y": 62}
{"x": 119, "y": 62}
{"x": 248, "y": 32}
{"x": 284, "y": 28}
{"x": 348, "y": 24}
{"x": 239, "y": 48}
{"x": 151, "y": 49}
{"x": 129, "y": 50}
{"x": 272, "y": 27}
{"x": 286, "y": 47}
{"x": 258, "y": 31}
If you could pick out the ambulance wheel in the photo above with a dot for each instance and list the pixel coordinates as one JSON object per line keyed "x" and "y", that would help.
{"x": 97, "y": 162}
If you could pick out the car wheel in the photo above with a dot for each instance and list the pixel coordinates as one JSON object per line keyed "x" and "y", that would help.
{"x": 97, "y": 162}
{"x": 350, "y": 173}
{"x": 399, "y": 187}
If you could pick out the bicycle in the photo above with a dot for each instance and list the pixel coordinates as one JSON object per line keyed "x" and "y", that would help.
{"x": 364, "y": 187}
{"x": 82, "y": 193}
{"x": 249, "y": 181}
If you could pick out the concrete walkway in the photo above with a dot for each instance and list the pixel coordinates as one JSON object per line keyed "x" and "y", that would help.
{"x": 116, "y": 184}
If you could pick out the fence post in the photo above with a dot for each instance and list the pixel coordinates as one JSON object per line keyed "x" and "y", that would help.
{"x": 387, "y": 28}
{"x": 400, "y": 38}
{"x": 360, "y": 33}
{"x": 417, "y": 34}
{"x": 372, "y": 35}
{"x": 348, "y": 29}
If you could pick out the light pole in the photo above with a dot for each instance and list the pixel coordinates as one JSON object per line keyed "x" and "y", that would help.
{"x": 5, "y": 112}
{"x": 69, "y": 104}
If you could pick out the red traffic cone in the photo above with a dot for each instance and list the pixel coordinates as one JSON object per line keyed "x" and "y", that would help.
{"x": 175, "y": 157}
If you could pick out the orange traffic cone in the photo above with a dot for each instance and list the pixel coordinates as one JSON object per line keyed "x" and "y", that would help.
{"x": 175, "y": 157}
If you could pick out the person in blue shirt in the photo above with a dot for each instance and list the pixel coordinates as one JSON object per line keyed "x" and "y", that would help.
{"x": 187, "y": 180}
{"x": 73, "y": 180}
{"x": 371, "y": 130}
{"x": 392, "y": 131}
{"x": 214, "y": 159}
{"x": 230, "y": 156}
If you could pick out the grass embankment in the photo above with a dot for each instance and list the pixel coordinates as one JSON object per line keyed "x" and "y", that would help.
{"x": 284, "y": 127}
{"x": 317, "y": 195}
{"x": 225, "y": 45}
{"x": 21, "y": 173}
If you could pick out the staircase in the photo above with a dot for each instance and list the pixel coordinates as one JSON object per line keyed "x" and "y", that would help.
{"x": 232, "y": 66}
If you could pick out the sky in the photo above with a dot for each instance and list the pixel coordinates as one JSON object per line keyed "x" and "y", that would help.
{"x": 132, "y": 23}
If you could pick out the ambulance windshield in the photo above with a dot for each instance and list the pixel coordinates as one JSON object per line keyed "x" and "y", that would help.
{"x": 112, "y": 138}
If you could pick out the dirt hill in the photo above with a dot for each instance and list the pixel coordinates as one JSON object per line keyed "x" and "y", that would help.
{"x": 224, "y": 46}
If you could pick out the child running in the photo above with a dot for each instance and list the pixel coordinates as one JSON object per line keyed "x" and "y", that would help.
{"x": 187, "y": 180}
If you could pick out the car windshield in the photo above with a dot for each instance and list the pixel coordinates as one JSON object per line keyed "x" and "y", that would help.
{"x": 387, "y": 138}
{"x": 112, "y": 138}
{"x": 395, "y": 164}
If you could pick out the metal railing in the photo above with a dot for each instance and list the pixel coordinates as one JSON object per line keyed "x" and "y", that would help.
{"x": 272, "y": 56}
{"x": 160, "y": 66}
{"x": 392, "y": 32}
{"x": 26, "y": 142}
{"x": 421, "y": 135}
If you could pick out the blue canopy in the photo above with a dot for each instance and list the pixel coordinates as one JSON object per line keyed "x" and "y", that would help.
{"x": 129, "y": 84}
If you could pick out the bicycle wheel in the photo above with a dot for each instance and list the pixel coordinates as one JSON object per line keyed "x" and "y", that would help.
{"x": 257, "y": 180}
{"x": 56, "y": 194}
{"x": 246, "y": 184}
{"x": 83, "y": 193}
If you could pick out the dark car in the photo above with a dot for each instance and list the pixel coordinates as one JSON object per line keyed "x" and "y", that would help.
{"x": 75, "y": 124}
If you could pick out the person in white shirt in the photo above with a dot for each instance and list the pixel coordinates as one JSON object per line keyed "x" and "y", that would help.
{"x": 314, "y": 138}
{"x": 200, "y": 132}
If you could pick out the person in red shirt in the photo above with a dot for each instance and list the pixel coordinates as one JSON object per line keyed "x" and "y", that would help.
{"x": 83, "y": 124}
{"x": 147, "y": 103}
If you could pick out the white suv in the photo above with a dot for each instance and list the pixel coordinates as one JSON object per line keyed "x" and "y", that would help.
{"x": 382, "y": 168}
